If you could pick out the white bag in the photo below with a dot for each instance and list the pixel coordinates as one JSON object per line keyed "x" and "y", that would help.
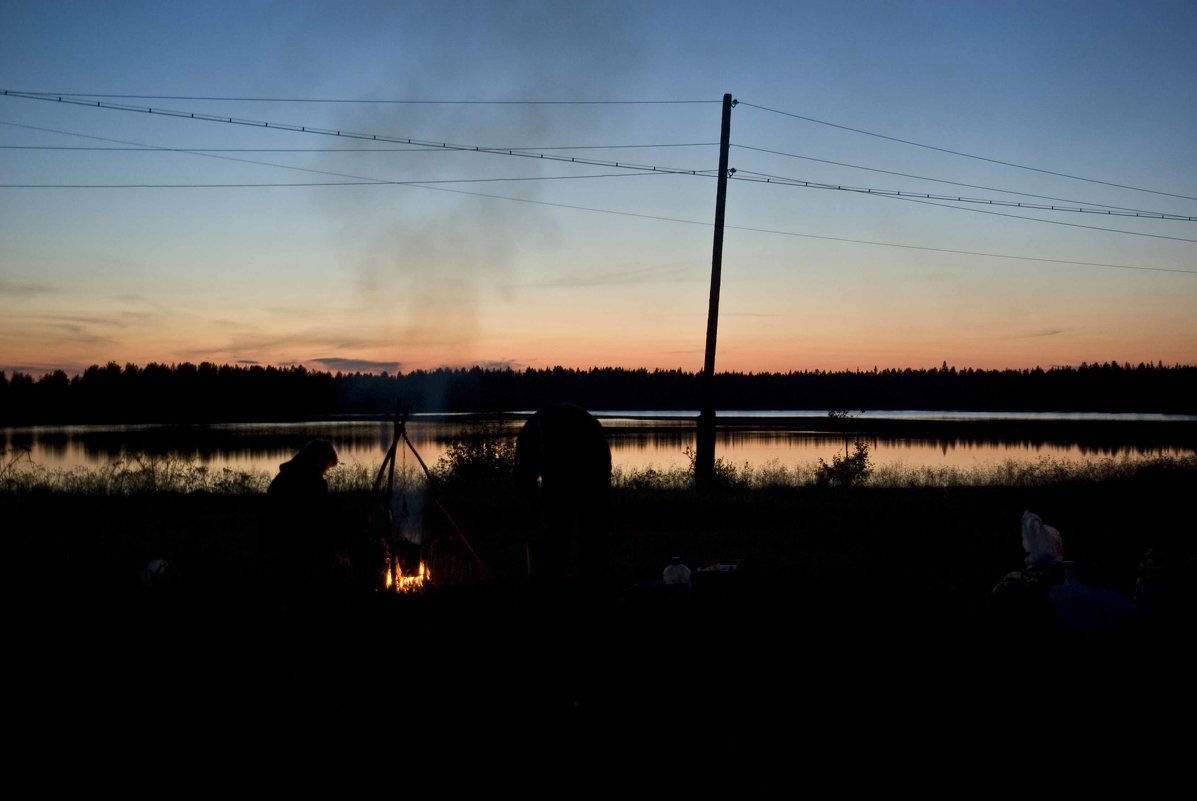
{"x": 1043, "y": 543}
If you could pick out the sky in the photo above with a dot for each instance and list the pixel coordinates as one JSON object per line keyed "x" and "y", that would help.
{"x": 207, "y": 241}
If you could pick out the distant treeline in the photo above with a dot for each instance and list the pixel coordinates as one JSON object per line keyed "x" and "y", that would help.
{"x": 189, "y": 393}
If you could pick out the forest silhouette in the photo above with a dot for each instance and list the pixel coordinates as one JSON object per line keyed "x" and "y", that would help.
{"x": 205, "y": 393}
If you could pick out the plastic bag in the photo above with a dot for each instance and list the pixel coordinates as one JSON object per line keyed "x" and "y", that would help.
{"x": 1043, "y": 543}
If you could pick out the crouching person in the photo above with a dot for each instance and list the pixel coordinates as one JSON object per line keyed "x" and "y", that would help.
{"x": 302, "y": 540}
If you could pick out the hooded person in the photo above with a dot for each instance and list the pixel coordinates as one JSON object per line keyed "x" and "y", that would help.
{"x": 303, "y": 475}
{"x": 301, "y": 538}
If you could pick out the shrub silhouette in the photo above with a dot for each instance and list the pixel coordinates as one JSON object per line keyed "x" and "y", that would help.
{"x": 727, "y": 475}
{"x": 845, "y": 471}
{"x": 487, "y": 457}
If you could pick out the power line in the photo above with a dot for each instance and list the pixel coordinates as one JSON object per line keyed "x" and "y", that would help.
{"x": 152, "y": 149}
{"x": 356, "y": 180}
{"x": 939, "y": 180}
{"x": 965, "y": 155}
{"x": 683, "y": 221}
{"x": 378, "y": 101}
{"x": 365, "y": 182}
{"x": 1039, "y": 219}
{"x": 807, "y": 236}
{"x": 778, "y": 180}
{"x": 962, "y": 252}
{"x": 350, "y": 134}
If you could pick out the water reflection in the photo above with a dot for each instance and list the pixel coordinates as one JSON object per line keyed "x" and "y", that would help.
{"x": 635, "y": 442}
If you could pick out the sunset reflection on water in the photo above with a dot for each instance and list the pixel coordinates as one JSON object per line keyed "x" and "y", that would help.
{"x": 636, "y": 443}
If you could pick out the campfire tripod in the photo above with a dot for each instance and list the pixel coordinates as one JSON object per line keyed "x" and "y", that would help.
{"x": 402, "y": 553}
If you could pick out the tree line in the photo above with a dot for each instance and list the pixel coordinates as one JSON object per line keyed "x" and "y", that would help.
{"x": 204, "y": 393}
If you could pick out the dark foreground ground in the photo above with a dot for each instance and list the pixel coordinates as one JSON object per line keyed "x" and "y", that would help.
{"x": 857, "y": 620}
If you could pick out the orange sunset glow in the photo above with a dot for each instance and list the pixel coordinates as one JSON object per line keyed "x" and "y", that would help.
{"x": 1033, "y": 216}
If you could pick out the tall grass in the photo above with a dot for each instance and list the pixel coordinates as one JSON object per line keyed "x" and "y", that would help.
{"x": 152, "y": 474}
{"x": 133, "y": 476}
{"x": 1047, "y": 471}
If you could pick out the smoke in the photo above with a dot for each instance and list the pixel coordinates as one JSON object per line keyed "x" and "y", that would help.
{"x": 428, "y": 261}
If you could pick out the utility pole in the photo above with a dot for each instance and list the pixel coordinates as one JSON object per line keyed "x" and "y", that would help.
{"x": 704, "y": 459}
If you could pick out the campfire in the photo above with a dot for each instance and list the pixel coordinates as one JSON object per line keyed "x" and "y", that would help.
{"x": 396, "y": 581}
{"x": 404, "y": 528}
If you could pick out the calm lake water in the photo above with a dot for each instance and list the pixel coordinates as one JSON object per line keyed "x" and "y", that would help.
{"x": 639, "y": 439}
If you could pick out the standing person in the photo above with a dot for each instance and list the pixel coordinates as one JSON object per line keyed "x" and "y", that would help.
{"x": 562, "y": 460}
{"x": 302, "y": 542}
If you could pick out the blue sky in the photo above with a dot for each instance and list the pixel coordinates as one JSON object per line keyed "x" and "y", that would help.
{"x": 389, "y": 276}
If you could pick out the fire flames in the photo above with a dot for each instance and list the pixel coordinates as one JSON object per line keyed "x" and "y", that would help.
{"x": 397, "y": 582}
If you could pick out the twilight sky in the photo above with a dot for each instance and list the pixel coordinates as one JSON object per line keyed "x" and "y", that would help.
{"x": 397, "y": 276}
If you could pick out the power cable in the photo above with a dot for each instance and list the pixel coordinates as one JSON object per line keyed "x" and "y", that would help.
{"x": 779, "y": 180}
{"x": 380, "y": 102}
{"x": 811, "y": 236}
{"x": 73, "y": 99}
{"x": 939, "y": 180}
{"x": 1039, "y": 219}
{"x": 347, "y": 134}
{"x": 356, "y": 180}
{"x": 683, "y": 221}
{"x": 965, "y": 155}
{"x": 150, "y": 149}
{"x": 367, "y": 182}
{"x": 960, "y": 252}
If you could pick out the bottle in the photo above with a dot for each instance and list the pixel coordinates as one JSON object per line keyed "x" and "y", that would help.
{"x": 677, "y": 574}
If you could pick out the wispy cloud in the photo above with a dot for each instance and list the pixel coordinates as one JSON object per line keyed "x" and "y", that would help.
{"x": 313, "y": 345}
{"x": 1046, "y": 332}
{"x": 24, "y": 289}
{"x": 56, "y": 329}
{"x": 357, "y": 365}
{"x": 493, "y": 364}
{"x": 37, "y": 370}
{"x": 145, "y": 308}
{"x": 250, "y": 341}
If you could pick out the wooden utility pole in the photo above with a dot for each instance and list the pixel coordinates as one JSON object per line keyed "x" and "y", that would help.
{"x": 704, "y": 459}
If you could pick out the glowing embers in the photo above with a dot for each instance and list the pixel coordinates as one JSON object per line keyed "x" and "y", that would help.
{"x": 396, "y": 581}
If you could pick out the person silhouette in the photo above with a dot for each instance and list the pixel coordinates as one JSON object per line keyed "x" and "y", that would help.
{"x": 563, "y": 464}
{"x": 302, "y": 539}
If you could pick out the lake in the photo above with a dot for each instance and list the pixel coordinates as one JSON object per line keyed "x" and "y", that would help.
{"x": 961, "y": 440}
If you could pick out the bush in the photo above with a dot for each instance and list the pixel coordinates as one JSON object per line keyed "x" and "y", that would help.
{"x": 845, "y": 471}
{"x": 485, "y": 457}
{"x": 727, "y": 475}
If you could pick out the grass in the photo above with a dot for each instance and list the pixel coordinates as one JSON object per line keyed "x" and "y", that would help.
{"x": 878, "y": 593}
{"x": 774, "y": 514}
{"x": 151, "y": 474}
{"x": 116, "y": 517}
{"x": 1011, "y": 473}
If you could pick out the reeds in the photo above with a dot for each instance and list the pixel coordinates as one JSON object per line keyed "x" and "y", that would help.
{"x": 136, "y": 475}
{"x": 1046, "y": 471}
{"x": 146, "y": 474}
